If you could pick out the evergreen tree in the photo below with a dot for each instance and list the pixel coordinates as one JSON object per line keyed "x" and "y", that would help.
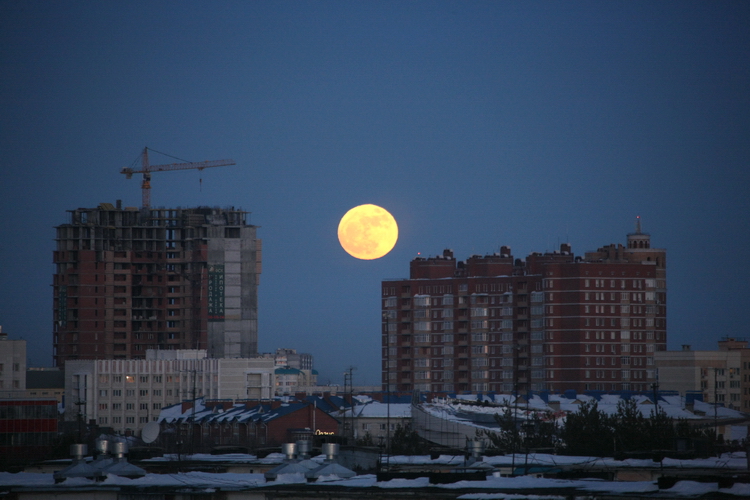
{"x": 540, "y": 432}
{"x": 629, "y": 428}
{"x": 660, "y": 430}
{"x": 406, "y": 441}
{"x": 588, "y": 432}
{"x": 507, "y": 439}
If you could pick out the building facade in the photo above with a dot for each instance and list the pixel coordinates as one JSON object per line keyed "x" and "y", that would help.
{"x": 552, "y": 322}
{"x": 28, "y": 430}
{"x": 251, "y": 424}
{"x": 127, "y": 394}
{"x": 721, "y": 376}
{"x": 12, "y": 366}
{"x": 292, "y": 359}
{"x": 46, "y": 382}
{"x": 128, "y": 280}
{"x": 292, "y": 380}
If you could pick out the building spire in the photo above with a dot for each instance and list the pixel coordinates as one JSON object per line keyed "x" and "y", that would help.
{"x": 638, "y": 224}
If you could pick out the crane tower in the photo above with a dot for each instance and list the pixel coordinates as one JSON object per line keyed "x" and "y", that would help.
{"x": 147, "y": 168}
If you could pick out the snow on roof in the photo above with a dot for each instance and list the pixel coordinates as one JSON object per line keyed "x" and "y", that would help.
{"x": 375, "y": 409}
{"x": 460, "y": 409}
{"x": 239, "y": 412}
{"x": 492, "y": 486}
{"x": 721, "y": 412}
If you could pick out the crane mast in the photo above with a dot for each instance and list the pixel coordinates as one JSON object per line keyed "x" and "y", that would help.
{"x": 147, "y": 168}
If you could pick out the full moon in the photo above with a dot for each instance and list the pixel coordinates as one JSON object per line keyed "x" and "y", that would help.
{"x": 368, "y": 232}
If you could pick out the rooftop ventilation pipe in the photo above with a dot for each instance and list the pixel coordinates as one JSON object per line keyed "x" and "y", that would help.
{"x": 78, "y": 467}
{"x": 330, "y": 467}
{"x": 290, "y": 465}
{"x": 120, "y": 465}
{"x": 304, "y": 447}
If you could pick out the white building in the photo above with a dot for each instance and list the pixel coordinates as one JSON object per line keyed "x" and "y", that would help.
{"x": 127, "y": 394}
{"x": 720, "y": 375}
{"x": 291, "y": 380}
{"x": 374, "y": 418}
{"x": 12, "y": 366}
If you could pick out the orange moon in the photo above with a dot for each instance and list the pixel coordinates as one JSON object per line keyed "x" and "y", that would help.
{"x": 368, "y": 232}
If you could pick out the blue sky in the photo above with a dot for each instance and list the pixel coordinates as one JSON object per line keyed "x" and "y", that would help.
{"x": 476, "y": 124}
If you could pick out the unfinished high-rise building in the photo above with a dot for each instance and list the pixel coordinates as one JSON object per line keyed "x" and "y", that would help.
{"x": 130, "y": 279}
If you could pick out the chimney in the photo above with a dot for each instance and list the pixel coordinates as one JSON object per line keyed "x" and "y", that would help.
{"x": 290, "y": 450}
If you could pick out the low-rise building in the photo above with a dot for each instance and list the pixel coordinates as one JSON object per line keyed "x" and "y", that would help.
{"x": 28, "y": 429}
{"x": 371, "y": 421}
{"x": 201, "y": 425}
{"x": 721, "y": 376}
{"x": 12, "y": 367}
{"x": 290, "y": 380}
{"x": 45, "y": 382}
{"x": 126, "y": 394}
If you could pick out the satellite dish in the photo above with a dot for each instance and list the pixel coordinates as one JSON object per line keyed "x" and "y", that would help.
{"x": 150, "y": 432}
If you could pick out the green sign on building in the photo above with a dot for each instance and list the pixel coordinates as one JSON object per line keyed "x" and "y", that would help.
{"x": 62, "y": 306}
{"x": 216, "y": 292}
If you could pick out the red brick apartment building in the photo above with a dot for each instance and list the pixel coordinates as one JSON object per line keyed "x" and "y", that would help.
{"x": 130, "y": 279}
{"x": 552, "y": 322}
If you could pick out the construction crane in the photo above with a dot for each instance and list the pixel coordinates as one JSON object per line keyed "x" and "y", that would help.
{"x": 146, "y": 170}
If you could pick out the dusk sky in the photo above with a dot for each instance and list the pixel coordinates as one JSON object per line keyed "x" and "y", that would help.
{"x": 476, "y": 124}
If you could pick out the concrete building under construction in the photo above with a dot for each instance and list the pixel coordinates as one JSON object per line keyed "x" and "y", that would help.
{"x": 130, "y": 279}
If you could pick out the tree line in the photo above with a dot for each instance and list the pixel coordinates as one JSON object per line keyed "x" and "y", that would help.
{"x": 592, "y": 432}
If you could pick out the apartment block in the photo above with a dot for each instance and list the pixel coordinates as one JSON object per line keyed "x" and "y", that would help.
{"x": 128, "y": 394}
{"x": 721, "y": 376}
{"x": 12, "y": 366}
{"x": 128, "y": 280}
{"x": 554, "y": 321}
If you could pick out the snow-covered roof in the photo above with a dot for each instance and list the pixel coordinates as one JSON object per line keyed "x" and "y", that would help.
{"x": 375, "y": 409}
{"x": 469, "y": 410}
{"x": 493, "y": 486}
{"x": 239, "y": 412}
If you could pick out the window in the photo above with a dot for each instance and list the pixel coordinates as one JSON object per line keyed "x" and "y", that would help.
{"x": 421, "y": 301}
{"x": 128, "y": 406}
{"x": 129, "y": 420}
